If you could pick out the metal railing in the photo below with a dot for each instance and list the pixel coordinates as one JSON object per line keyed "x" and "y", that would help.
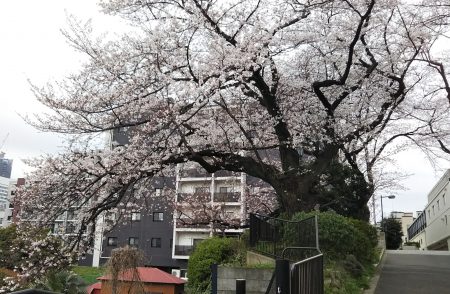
{"x": 183, "y": 249}
{"x": 224, "y": 173}
{"x": 294, "y": 241}
{"x": 218, "y": 197}
{"x": 227, "y": 197}
{"x": 194, "y": 173}
{"x": 272, "y": 236}
{"x": 307, "y": 276}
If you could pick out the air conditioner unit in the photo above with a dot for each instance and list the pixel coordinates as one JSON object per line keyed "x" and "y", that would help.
{"x": 176, "y": 272}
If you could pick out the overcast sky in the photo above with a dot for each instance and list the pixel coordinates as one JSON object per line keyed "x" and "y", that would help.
{"x": 34, "y": 48}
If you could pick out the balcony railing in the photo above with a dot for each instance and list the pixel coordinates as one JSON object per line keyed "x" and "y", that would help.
{"x": 224, "y": 173}
{"x": 218, "y": 197}
{"x": 194, "y": 173}
{"x": 227, "y": 197}
{"x": 201, "y": 173}
{"x": 183, "y": 249}
{"x": 199, "y": 224}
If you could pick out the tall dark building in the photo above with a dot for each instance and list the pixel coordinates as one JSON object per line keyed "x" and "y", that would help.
{"x": 5, "y": 166}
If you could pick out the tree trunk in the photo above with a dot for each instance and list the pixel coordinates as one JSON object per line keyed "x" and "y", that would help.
{"x": 294, "y": 195}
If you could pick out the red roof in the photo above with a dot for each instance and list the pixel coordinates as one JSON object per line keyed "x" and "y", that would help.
{"x": 91, "y": 288}
{"x": 147, "y": 275}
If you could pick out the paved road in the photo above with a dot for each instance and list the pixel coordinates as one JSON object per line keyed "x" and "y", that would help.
{"x": 424, "y": 272}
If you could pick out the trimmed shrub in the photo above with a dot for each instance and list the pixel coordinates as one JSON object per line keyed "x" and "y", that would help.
{"x": 340, "y": 236}
{"x": 210, "y": 251}
{"x": 417, "y": 244}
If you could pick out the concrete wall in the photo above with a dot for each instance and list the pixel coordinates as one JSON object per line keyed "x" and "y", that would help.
{"x": 257, "y": 280}
{"x": 421, "y": 239}
{"x": 254, "y": 258}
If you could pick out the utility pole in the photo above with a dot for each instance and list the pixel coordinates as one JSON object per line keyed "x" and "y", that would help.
{"x": 374, "y": 210}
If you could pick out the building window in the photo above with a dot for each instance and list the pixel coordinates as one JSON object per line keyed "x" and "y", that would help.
{"x": 156, "y": 242}
{"x": 58, "y": 228}
{"x": 438, "y": 206}
{"x": 158, "y": 216}
{"x": 223, "y": 190}
{"x": 158, "y": 192}
{"x": 110, "y": 216}
{"x": 112, "y": 241}
{"x": 183, "y": 273}
{"x": 429, "y": 214}
{"x": 443, "y": 199}
{"x": 201, "y": 190}
{"x": 70, "y": 228}
{"x": 135, "y": 216}
{"x": 133, "y": 241}
{"x": 195, "y": 242}
{"x": 433, "y": 210}
{"x": 71, "y": 215}
{"x": 446, "y": 220}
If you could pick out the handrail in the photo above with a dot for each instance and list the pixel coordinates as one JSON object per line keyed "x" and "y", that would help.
{"x": 293, "y": 247}
{"x": 305, "y": 260}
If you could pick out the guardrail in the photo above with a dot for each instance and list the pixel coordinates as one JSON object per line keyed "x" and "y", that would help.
{"x": 307, "y": 276}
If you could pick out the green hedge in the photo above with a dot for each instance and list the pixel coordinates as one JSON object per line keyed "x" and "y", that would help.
{"x": 210, "y": 251}
{"x": 340, "y": 236}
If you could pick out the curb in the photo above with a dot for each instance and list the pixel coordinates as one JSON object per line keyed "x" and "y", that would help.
{"x": 376, "y": 277}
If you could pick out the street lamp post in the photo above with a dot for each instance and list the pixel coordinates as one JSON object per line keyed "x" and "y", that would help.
{"x": 382, "y": 215}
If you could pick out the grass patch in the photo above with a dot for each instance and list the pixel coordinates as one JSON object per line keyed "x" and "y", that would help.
{"x": 340, "y": 281}
{"x": 262, "y": 266}
{"x": 89, "y": 274}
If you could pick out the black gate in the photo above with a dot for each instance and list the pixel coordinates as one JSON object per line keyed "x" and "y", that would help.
{"x": 307, "y": 276}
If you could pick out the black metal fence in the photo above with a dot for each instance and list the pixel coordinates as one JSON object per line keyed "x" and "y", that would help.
{"x": 294, "y": 241}
{"x": 279, "y": 238}
{"x": 307, "y": 276}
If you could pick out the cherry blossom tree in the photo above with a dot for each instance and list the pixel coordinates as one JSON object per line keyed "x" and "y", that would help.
{"x": 275, "y": 89}
{"x": 29, "y": 253}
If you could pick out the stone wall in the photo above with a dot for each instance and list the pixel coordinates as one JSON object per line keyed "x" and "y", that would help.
{"x": 257, "y": 280}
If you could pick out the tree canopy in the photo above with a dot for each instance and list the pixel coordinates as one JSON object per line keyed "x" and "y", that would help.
{"x": 393, "y": 232}
{"x": 276, "y": 89}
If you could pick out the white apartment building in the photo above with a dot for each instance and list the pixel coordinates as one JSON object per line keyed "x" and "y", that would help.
{"x": 4, "y": 198}
{"x": 432, "y": 228}
{"x": 6, "y": 188}
{"x": 225, "y": 192}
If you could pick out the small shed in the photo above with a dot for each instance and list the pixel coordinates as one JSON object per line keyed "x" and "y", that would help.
{"x": 143, "y": 280}
{"x": 95, "y": 288}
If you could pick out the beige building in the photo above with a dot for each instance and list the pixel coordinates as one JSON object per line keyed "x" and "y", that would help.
{"x": 406, "y": 219}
